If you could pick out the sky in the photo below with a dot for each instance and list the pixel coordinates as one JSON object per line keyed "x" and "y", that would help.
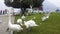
{"x": 55, "y": 2}
{"x": 48, "y": 5}
{"x": 51, "y": 5}
{"x": 2, "y": 5}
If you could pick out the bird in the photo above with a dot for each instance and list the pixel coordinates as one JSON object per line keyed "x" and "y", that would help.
{"x": 23, "y": 17}
{"x": 29, "y": 24}
{"x": 31, "y": 8}
{"x": 47, "y": 16}
{"x": 44, "y": 18}
{"x": 19, "y": 21}
{"x": 13, "y": 27}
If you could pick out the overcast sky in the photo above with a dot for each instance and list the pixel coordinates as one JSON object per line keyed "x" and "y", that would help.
{"x": 51, "y": 5}
{"x": 47, "y": 5}
{"x": 2, "y": 5}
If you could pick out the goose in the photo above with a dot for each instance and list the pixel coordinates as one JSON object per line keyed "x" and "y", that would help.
{"x": 29, "y": 24}
{"x": 13, "y": 27}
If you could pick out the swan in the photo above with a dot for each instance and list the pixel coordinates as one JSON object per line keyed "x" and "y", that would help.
{"x": 31, "y": 8}
{"x": 23, "y": 17}
{"x": 46, "y": 16}
{"x": 29, "y": 24}
{"x": 19, "y": 21}
{"x": 13, "y": 27}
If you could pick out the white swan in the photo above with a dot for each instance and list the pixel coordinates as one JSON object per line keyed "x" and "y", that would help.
{"x": 44, "y": 18}
{"x": 30, "y": 23}
{"x": 23, "y": 17}
{"x": 31, "y": 8}
{"x": 13, "y": 27}
{"x": 19, "y": 21}
{"x": 47, "y": 14}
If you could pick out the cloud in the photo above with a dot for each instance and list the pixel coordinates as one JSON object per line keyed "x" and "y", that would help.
{"x": 2, "y": 5}
{"x": 51, "y": 5}
{"x": 1, "y": 0}
{"x": 55, "y": 2}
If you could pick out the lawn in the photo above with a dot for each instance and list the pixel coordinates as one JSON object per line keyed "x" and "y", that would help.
{"x": 50, "y": 26}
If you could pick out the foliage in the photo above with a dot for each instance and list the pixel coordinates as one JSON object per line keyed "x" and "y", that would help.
{"x": 17, "y": 2}
{"x": 7, "y": 3}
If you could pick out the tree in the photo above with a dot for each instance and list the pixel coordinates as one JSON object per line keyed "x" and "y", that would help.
{"x": 7, "y": 3}
{"x": 37, "y": 3}
{"x": 16, "y": 3}
{"x": 24, "y": 4}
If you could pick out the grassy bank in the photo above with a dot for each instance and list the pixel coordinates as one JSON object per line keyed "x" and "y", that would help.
{"x": 50, "y": 26}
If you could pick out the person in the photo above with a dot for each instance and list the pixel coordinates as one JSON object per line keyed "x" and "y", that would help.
{"x": 0, "y": 11}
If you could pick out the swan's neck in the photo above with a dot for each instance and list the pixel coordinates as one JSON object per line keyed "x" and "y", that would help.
{"x": 30, "y": 6}
{"x": 9, "y": 19}
{"x": 10, "y": 10}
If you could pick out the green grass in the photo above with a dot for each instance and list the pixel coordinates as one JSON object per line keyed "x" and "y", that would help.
{"x": 50, "y": 26}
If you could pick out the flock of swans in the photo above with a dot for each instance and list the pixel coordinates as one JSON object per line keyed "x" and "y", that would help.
{"x": 20, "y": 22}
{"x": 18, "y": 27}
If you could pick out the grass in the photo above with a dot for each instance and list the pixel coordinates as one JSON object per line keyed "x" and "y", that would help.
{"x": 50, "y": 26}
